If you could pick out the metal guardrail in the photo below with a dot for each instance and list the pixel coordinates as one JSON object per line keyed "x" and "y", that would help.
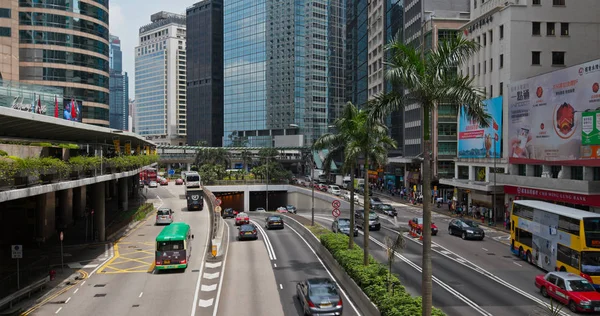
{"x": 216, "y": 220}
{"x": 9, "y": 300}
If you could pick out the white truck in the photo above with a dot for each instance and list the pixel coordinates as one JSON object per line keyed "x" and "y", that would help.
{"x": 339, "y": 180}
{"x": 319, "y": 176}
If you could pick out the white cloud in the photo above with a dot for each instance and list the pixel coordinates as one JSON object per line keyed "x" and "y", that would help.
{"x": 117, "y": 20}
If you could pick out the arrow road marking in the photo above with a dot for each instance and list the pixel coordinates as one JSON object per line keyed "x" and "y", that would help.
{"x": 213, "y": 264}
{"x": 208, "y": 288}
{"x": 211, "y": 276}
{"x": 205, "y": 303}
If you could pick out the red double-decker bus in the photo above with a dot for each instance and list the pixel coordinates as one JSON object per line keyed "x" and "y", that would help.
{"x": 148, "y": 175}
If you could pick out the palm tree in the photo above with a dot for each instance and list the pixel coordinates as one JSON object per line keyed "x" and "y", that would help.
{"x": 431, "y": 79}
{"x": 220, "y": 156}
{"x": 246, "y": 157}
{"x": 202, "y": 154}
{"x": 336, "y": 143}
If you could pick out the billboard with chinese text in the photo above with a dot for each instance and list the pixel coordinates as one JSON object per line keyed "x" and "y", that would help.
{"x": 475, "y": 141}
{"x": 545, "y": 114}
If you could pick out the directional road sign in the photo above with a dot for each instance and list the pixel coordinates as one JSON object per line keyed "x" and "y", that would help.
{"x": 17, "y": 251}
{"x": 335, "y": 212}
{"x": 218, "y": 202}
{"x": 171, "y": 172}
{"x": 336, "y": 203}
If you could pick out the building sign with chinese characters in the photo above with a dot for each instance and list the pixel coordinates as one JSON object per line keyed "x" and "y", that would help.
{"x": 552, "y": 196}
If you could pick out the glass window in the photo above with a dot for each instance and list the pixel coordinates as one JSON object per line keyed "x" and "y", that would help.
{"x": 56, "y": 74}
{"x": 550, "y": 29}
{"x": 567, "y": 256}
{"x": 536, "y": 28}
{"x": 5, "y": 31}
{"x": 569, "y": 225}
{"x": 558, "y": 58}
{"x": 524, "y": 237}
{"x": 75, "y": 7}
{"x": 61, "y": 39}
{"x": 591, "y": 227}
{"x": 4, "y": 13}
{"x": 558, "y": 2}
{"x": 536, "y": 58}
{"x": 63, "y": 22}
{"x": 169, "y": 245}
{"x": 590, "y": 263}
{"x": 501, "y": 31}
{"x": 523, "y": 211}
{"x": 63, "y": 57}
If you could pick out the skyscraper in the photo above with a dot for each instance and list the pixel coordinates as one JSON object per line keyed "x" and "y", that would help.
{"x": 119, "y": 87}
{"x": 283, "y": 68}
{"x": 356, "y": 51}
{"x": 64, "y": 46}
{"x": 160, "y": 79}
{"x": 204, "y": 50}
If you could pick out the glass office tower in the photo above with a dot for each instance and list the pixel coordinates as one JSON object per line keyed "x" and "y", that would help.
{"x": 283, "y": 67}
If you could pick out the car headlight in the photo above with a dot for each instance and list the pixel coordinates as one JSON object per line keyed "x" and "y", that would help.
{"x": 585, "y": 303}
{"x": 470, "y": 232}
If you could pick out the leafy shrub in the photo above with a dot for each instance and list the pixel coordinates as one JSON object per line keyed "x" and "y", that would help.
{"x": 3, "y": 153}
{"x": 373, "y": 279}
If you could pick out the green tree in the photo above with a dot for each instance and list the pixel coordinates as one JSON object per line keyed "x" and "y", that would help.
{"x": 220, "y": 156}
{"x": 431, "y": 79}
{"x": 336, "y": 143}
{"x": 247, "y": 159}
{"x": 208, "y": 173}
{"x": 202, "y": 154}
{"x": 267, "y": 154}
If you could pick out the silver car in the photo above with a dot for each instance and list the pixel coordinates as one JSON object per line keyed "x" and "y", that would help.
{"x": 153, "y": 184}
{"x": 319, "y": 296}
{"x": 164, "y": 216}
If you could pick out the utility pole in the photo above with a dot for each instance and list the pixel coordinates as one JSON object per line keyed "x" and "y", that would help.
{"x": 493, "y": 215}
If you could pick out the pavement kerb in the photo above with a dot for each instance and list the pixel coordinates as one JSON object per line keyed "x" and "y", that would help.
{"x": 52, "y": 295}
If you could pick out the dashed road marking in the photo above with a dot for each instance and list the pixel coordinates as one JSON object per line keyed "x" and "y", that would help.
{"x": 210, "y": 276}
{"x": 208, "y": 288}
{"x": 517, "y": 264}
{"x": 58, "y": 310}
{"x": 141, "y": 294}
{"x": 206, "y": 303}
{"x": 77, "y": 289}
{"x": 484, "y": 249}
{"x": 67, "y": 301}
{"x": 280, "y": 286}
{"x": 212, "y": 265}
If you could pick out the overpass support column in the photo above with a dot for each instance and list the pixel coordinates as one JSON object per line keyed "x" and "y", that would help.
{"x": 246, "y": 200}
{"x": 123, "y": 194}
{"x": 136, "y": 187}
{"x": 65, "y": 207}
{"x": 46, "y": 216}
{"x": 189, "y": 166}
{"x": 98, "y": 201}
{"x": 79, "y": 201}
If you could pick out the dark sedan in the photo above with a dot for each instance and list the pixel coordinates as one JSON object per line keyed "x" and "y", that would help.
{"x": 319, "y": 296}
{"x": 228, "y": 213}
{"x": 342, "y": 225}
{"x": 386, "y": 209}
{"x": 466, "y": 229}
{"x": 274, "y": 222}
{"x": 247, "y": 231}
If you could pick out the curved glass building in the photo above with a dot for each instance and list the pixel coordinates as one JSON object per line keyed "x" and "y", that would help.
{"x": 64, "y": 44}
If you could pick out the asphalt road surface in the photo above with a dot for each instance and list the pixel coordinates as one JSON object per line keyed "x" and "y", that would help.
{"x": 128, "y": 285}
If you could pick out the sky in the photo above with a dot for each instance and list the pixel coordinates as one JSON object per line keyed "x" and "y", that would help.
{"x": 126, "y": 18}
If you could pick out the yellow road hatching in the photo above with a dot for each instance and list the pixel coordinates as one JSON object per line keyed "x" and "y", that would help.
{"x": 131, "y": 257}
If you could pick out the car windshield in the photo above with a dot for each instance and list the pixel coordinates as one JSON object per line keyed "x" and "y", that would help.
{"x": 290, "y": 206}
{"x": 247, "y": 228}
{"x": 385, "y": 207}
{"x": 242, "y": 215}
{"x": 343, "y": 222}
{"x": 333, "y": 187}
{"x": 373, "y": 216}
{"x": 581, "y": 286}
{"x": 376, "y": 199}
{"x": 193, "y": 178}
{"x": 469, "y": 224}
{"x": 323, "y": 290}
{"x": 274, "y": 218}
{"x": 164, "y": 212}
{"x": 590, "y": 263}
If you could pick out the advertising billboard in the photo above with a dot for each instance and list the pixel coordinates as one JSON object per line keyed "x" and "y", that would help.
{"x": 545, "y": 114}
{"x": 72, "y": 110}
{"x": 475, "y": 141}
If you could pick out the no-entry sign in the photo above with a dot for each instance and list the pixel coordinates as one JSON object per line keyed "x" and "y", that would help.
{"x": 218, "y": 201}
{"x": 336, "y": 204}
{"x": 336, "y": 212}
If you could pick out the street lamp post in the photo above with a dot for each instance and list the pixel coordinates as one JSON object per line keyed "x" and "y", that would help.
{"x": 494, "y": 192}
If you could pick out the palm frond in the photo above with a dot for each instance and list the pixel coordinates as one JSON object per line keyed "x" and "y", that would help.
{"x": 459, "y": 90}
{"x": 382, "y": 104}
{"x": 451, "y": 53}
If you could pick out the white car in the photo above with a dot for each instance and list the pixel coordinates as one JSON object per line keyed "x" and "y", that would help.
{"x": 153, "y": 184}
{"x": 260, "y": 209}
{"x": 334, "y": 189}
{"x": 347, "y": 196}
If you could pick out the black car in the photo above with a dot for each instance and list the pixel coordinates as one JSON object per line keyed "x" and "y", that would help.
{"x": 319, "y": 296}
{"x": 247, "y": 231}
{"x": 228, "y": 213}
{"x": 274, "y": 222}
{"x": 386, "y": 209}
{"x": 465, "y": 228}
{"x": 342, "y": 225}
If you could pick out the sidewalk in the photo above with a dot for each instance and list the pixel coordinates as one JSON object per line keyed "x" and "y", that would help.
{"x": 442, "y": 210}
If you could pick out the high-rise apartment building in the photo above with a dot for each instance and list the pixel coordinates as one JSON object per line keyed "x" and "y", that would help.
{"x": 160, "y": 79}
{"x": 64, "y": 45}
{"x": 357, "y": 51}
{"x": 119, "y": 87}
{"x": 284, "y": 68}
{"x": 204, "y": 49}
{"x": 132, "y": 115}
{"x": 520, "y": 40}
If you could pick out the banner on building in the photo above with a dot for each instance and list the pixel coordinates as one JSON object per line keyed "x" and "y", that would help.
{"x": 128, "y": 148}
{"x": 138, "y": 150}
{"x": 72, "y": 110}
{"x": 546, "y": 114}
{"x": 117, "y": 144}
{"x": 475, "y": 141}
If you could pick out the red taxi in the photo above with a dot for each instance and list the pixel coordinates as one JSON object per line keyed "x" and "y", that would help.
{"x": 241, "y": 219}
{"x": 417, "y": 223}
{"x": 570, "y": 289}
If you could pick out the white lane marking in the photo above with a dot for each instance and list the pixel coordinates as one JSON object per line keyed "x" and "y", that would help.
{"x": 484, "y": 249}
{"x": 74, "y": 265}
{"x": 517, "y": 264}
{"x": 212, "y": 265}
{"x": 82, "y": 283}
{"x": 280, "y": 286}
{"x": 58, "y": 310}
{"x": 325, "y": 267}
{"x": 275, "y": 265}
{"x": 267, "y": 241}
{"x": 161, "y": 201}
{"x": 205, "y": 303}
{"x": 77, "y": 289}
{"x": 208, "y": 288}
{"x": 67, "y": 301}
{"x": 222, "y": 275}
{"x": 197, "y": 291}
{"x": 112, "y": 254}
{"x": 141, "y": 294}
{"x": 445, "y": 286}
{"x": 210, "y": 276}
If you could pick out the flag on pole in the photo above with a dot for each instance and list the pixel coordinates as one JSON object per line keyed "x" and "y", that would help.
{"x": 55, "y": 106}
{"x": 73, "y": 110}
{"x": 39, "y": 105}
{"x": 33, "y": 104}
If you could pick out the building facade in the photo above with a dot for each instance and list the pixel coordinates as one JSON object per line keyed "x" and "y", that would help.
{"x": 60, "y": 45}
{"x": 283, "y": 68}
{"x": 160, "y": 79}
{"x": 119, "y": 87}
{"x": 520, "y": 40}
{"x": 131, "y": 104}
{"x": 204, "y": 51}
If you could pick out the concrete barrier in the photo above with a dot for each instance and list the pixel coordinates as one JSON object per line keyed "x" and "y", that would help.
{"x": 216, "y": 223}
{"x": 359, "y": 298}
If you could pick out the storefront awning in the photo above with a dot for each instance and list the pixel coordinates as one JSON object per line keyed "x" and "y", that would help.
{"x": 473, "y": 185}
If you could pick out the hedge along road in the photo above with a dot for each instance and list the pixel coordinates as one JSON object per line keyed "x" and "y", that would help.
{"x": 457, "y": 289}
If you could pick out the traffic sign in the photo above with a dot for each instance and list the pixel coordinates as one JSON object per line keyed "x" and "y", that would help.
{"x": 171, "y": 172}
{"x": 61, "y": 236}
{"x": 218, "y": 209}
{"x": 336, "y": 212}
{"x": 336, "y": 203}
{"x": 17, "y": 251}
{"x": 218, "y": 202}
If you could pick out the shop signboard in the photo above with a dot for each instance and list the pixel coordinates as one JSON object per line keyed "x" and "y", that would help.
{"x": 475, "y": 141}
{"x": 553, "y": 196}
{"x": 546, "y": 114}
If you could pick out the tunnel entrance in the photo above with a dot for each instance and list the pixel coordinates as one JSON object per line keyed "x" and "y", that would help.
{"x": 234, "y": 200}
{"x": 276, "y": 199}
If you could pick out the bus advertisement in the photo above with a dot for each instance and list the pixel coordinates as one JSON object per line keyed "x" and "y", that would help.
{"x": 557, "y": 238}
{"x": 174, "y": 247}
{"x": 148, "y": 174}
